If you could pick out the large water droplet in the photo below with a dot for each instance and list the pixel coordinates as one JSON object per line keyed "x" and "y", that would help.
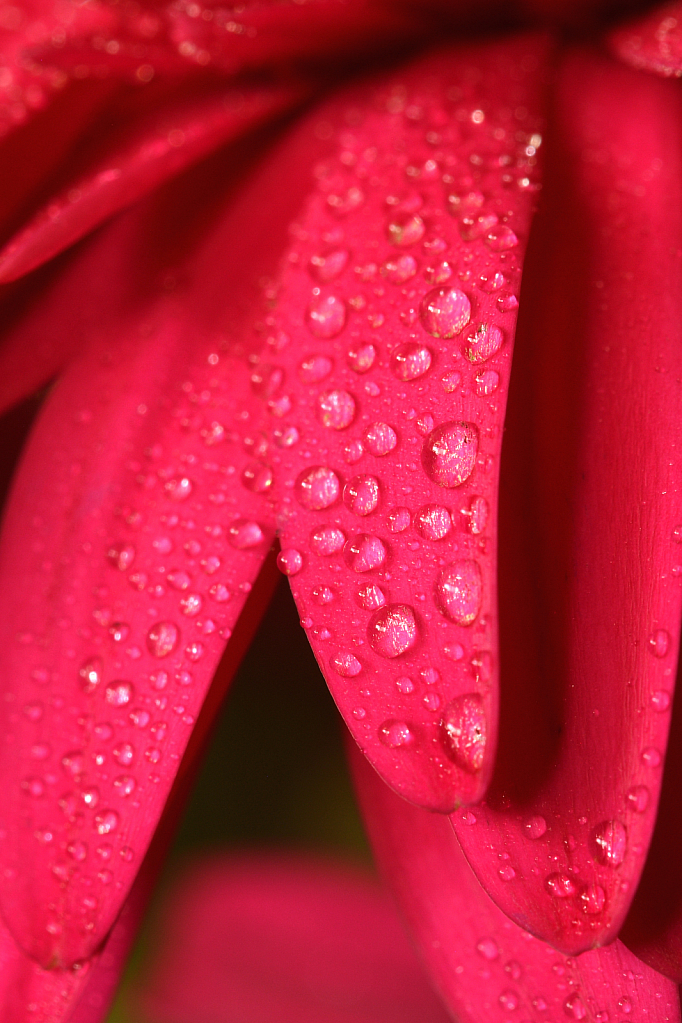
{"x": 609, "y": 843}
{"x": 445, "y": 312}
{"x": 392, "y": 630}
{"x": 336, "y": 409}
{"x": 483, "y": 343}
{"x": 464, "y": 731}
{"x": 317, "y": 488}
{"x": 363, "y": 553}
{"x": 410, "y": 361}
{"x": 326, "y": 317}
{"x": 380, "y": 439}
{"x": 289, "y": 561}
{"x": 346, "y": 664}
{"x": 433, "y": 522}
{"x": 396, "y": 734}
{"x": 327, "y": 540}
{"x": 361, "y": 495}
{"x": 459, "y": 591}
{"x": 162, "y": 639}
{"x": 449, "y": 453}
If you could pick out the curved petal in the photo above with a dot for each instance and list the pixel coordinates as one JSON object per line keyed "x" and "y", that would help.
{"x": 117, "y": 167}
{"x": 398, "y": 296}
{"x": 652, "y": 42}
{"x": 138, "y": 522}
{"x": 590, "y": 596}
{"x": 485, "y": 966}
{"x": 273, "y": 939}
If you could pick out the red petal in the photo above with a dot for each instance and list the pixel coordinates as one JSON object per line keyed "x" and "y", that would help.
{"x": 590, "y": 595}
{"x": 141, "y": 500}
{"x": 271, "y": 940}
{"x": 484, "y": 965}
{"x": 118, "y": 165}
{"x": 398, "y": 295}
{"x": 652, "y": 42}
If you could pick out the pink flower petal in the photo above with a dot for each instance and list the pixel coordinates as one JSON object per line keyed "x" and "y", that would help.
{"x": 271, "y": 940}
{"x": 485, "y": 966}
{"x": 136, "y": 156}
{"x": 398, "y": 295}
{"x": 653, "y": 41}
{"x": 590, "y": 591}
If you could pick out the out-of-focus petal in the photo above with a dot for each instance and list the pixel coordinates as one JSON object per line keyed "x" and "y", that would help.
{"x": 485, "y": 966}
{"x": 275, "y": 939}
{"x": 653, "y": 41}
{"x": 591, "y": 514}
{"x": 113, "y": 169}
{"x": 398, "y": 300}
{"x": 138, "y": 522}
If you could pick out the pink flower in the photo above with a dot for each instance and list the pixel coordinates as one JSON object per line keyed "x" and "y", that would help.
{"x": 310, "y": 333}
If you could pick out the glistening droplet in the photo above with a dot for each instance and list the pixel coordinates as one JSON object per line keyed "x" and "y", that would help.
{"x": 326, "y": 317}
{"x": 317, "y": 488}
{"x": 459, "y": 591}
{"x": 464, "y": 731}
{"x": 445, "y": 312}
{"x": 393, "y": 630}
{"x": 396, "y": 734}
{"x": 483, "y": 342}
{"x": 449, "y": 453}
{"x": 609, "y": 843}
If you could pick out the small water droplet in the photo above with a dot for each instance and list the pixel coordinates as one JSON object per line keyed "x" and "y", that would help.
{"x": 439, "y": 273}
{"x": 486, "y": 382}
{"x": 399, "y": 519}
{"x": 488, "y": 948}
{"x": 449, "y": 453}
{"x": 119, "y": 693}
{"x": 327, "y": 540}
{"x": 575, "y": 1007}
{"x": 451, "y": 381}
{"x": 346, "y": 664}
{"x": 513, "y": 969}
{"x": 478, "y": 515}
{"x": 380, "y": 439}
{"x": 624, "y": 1004}
{"x": 370, "y": 597}
{"x": 592, "y": 899}
{"x": 361, "y": 357}
{"x": 410, "y": 361}
{"x": 461, "y": 204}
{"x": 659, "y": 642}
{"x": 560, "y": 886}
{"x": 289, "y": 561}
{"x": 400, "y": 269}
{"x": 509, "y": 1000}
{"x": 121, "y": 556}
{"x": 445, "y": 312}
{"x": 78, "y": 851}
{"x": 361, "y": 495}
{"x": 124, "y": 754}
{"x": 244, "y": 534}
{"x": 179, "y": 580}
{"x": 535, "y": 827}
{"x": 326, "y": 317}
{"x": 464, "y": 729}
{"x": 179, "y": 489}
{"x": 405, "y": 229}
{"x": 90, "y": 674}
{"x": 328, "y": 267}
{"x": 433, "y": 522}
{"x": 323, "y": 595}
{"x": 459, "y": 591}
{"x": 392, "y": 630}
{"x": 660, "y": 700}
{"x": 191, "y": 604}
{"x": 106, "y": 821}
{"x": 363, "y": 552}
{"x": 336, "y": 409}
{"x": 609, "y": 841}
{"x": 638, "y": 798}
{"x": 500, "y": 238}
{"x": 507, "y": 873}
{"x": 317, "y": 488}
{"x": 258, "y": 477}
{"x": 125, "y": 785}
{"x": 483, "y": 342}
{"x": 396, "y": 734}
{"x": 162, "y": 639}
{"x": 651, "y": 756}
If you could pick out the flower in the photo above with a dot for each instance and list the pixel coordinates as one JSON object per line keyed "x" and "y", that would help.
{"x": 310, "y": 333}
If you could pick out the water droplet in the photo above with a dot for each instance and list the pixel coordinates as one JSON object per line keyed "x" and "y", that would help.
{"x": 449, "y": 453}
{"x": 486, "y": 382}
{"x": 380, "y": 439}
{"x": 410, "y": 361}
{"x": 179, "y": 580}
{"x": 363, "y": 553}
{"x": 258, "y": 477}
{"x": 451, "y": 381}
{"x": 399, "y": 270}
{"x": 592, "y": 899}
{"x": 121, "y": 556}
{"x": 179, "y": 489}
{"x": 124, "y": 754}
{"x": 638, "y": 798}
{"x": 370, "y": 597}
{"x": 106, "y": 822}
{"x": 624, "y": 1004}
{"x": 90, "y": 674}
{"x": 464, "y": 729}
{"x": 191, "y": 604}
{"x": 535, "y": 827}
{"x": 289, "y": 561}
{"x": 328, "y": 267}
{"x": 361, "y": 357}
{"x": 34, "y": 787}
{"x": 459, "y": 591}
{"x": 500, "y": 238}
{"x": 118, "y": 694}
{"x": 392, "y": 630}
{"x": 488, "y": 948}
{"x": 125, "y": 785}
{"x": 507, "y": 873}
{"x": 119, "y": 631}
{"x": 433, "y": 522}
{"x": 335, "y": 409}
{"x": 509, "y": 1000}
{"x": 677, "y": 534}
{"x": 78, "y": 851}
{"x": 575, "y": 1007}
{"x": 513, "y": 969}
{"x": 345, "y": 202}
{"x": 396, "y": 734}
{"x": 439, "y": 273}
{"x": 326, "y": 317}
{"x": 483, "y": 342}
{"x": 322, "y": 595}
{"x": 346, "y": 664}
{"x": 444, "y": 312}
{"x": 478, "y": 515}
{"x": 162, "y": 639}
{"x": 361, "y": 495}
{"x": 399, "y": 519}
{"x": 405, "y": 229}
{"x": 327, "y": 540}
{"x": 461, "y": 204}
{"x": 609, "y": 841}
{"x": 318, "y": 488}
{"x": 560, "y": 886}
{"x": 651, "y": 756}
{"x": 660, "y": 700}
{"x": 659, "y": 642}
{"x": 244, "y": 534}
